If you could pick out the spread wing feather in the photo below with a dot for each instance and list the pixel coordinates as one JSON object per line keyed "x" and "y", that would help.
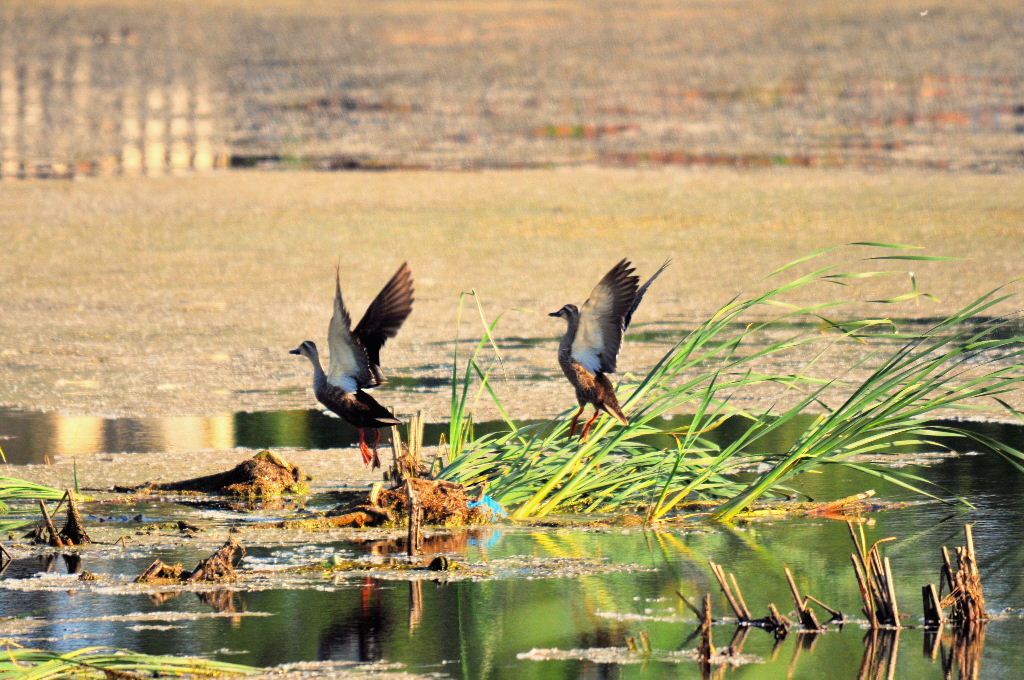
{"x": 602, "y": 319}
{"x": 640, "y": 293}
{"x": 349, "y": 366}
{"x": 384, "y": 317}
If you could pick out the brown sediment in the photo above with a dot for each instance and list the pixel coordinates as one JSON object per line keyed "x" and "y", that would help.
{"x": 265, "y": 474}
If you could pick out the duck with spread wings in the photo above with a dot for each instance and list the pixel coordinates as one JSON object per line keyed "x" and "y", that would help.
{"x": 590, "y": 347}
{"x": 355, "y": 358}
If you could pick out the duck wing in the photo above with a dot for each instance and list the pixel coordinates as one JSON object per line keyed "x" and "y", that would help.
{"x": 602, "y": 318}
{"x": 384, "y": 317}
{"x": 349, "y": 366}
{"x": 640, "y": 293}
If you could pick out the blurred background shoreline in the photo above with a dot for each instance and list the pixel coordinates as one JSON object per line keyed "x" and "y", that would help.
{"x": 100, "y": 87}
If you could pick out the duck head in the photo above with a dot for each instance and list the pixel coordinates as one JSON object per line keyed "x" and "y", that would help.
{"x": 306, "y": 349}
{"x": 568, "y": 312}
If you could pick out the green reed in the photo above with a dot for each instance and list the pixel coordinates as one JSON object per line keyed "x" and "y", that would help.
{"x": 13, "y": 489}
{"x": 958, "y": 363}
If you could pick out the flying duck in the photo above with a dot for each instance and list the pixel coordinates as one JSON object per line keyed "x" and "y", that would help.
{"x": 355, "y": 357}
{"x": 590, "y": 346}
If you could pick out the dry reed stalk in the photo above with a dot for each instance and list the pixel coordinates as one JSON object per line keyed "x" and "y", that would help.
{"x": 966, "y": 599}
{"x": 807, "y": 618}
{"x": 690, "y": 606}
{"x": 733, "y": 600}
{"x": 875, "y": 581}
{"x": 706, "y": 650}
{"x": 54, "y": 537}
{"x": 415, "y": 541}
{"x": 73, "y": 532}
{"x": 396, "y": 451}
{"x": 777, "y": 621}
{"x": 739, "y": 596}
{"x": 933, "y": 617}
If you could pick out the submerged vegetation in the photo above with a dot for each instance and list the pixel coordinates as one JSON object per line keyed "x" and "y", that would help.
{"x": 953, "y": 365}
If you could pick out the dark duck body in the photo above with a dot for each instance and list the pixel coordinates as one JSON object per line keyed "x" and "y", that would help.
{"x": 590, "y": 347}
{"x": 355, "y": 358}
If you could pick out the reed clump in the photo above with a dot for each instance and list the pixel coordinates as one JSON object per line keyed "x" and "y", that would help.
{"x": 958, "y": 362}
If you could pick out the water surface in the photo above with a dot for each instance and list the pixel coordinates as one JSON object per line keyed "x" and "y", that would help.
{"x": 478, "y": 629}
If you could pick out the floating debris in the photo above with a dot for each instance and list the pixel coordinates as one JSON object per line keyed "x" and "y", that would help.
{"x": 445, "y": 503}
{"x": 161, "y": 572}
{"x": 264, "y": 475}
{"x": 218, "y": 567}
{"x": 635, "y": 655}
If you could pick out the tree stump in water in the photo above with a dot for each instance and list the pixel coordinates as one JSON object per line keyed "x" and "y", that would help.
{"x": 74, "y": 532}
{"x": 220, "y": 566}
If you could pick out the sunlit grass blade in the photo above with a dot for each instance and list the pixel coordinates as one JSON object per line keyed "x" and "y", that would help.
{"x": 104, "y": 662}
{"x": 13, "y": 489}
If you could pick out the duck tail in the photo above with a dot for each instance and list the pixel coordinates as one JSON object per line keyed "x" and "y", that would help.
{"x": 607, "y": 399}
{"x": 615, "y": 411}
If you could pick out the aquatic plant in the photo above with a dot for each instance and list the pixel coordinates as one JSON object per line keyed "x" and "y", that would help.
{"x": 952, "y": 365}
{"x": 13, "y": 489}
{"x": 105, "y": 662}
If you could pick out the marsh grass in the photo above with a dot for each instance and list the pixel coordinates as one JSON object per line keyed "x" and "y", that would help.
{"x": 104, "y": 662}
{"x": 17, "y": 490}
{"x": 14, "y": 489}
{"x": 961, "y": 363}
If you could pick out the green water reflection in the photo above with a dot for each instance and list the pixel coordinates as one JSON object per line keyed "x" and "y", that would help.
{"x": 31, "y": 437}
{"x": 477, "y": 629}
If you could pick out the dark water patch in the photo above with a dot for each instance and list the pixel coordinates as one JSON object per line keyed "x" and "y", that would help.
{"x": 32, "y": 437}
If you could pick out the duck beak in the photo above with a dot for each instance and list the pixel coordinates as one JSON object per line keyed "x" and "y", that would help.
{"x": 294, "y": 351}
{"x": 558, "y": 313}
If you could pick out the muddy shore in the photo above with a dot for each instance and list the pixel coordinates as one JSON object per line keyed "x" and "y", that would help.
{"x": 182, "y": 296}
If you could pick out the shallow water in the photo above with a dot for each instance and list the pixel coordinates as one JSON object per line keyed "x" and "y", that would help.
{"x": 35, "y": 437}
{"x": 544, "y": 591}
